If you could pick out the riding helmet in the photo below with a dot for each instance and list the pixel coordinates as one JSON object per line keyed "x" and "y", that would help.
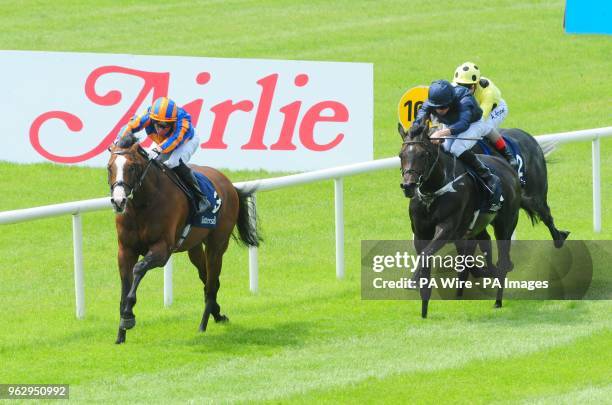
{"x": 441, "y": 93}
{"x": 164, "y": 109}
{"x": 467, "y": 73}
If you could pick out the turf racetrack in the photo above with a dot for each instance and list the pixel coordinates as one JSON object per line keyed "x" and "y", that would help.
{"x": 307, "y": 336}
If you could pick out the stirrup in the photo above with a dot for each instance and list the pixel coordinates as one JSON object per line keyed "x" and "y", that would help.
{"x": 202, "y": 205}
{"x": 495, "y": 181}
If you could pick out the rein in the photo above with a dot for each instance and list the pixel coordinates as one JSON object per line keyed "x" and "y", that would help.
{"x": 456, "y": 137}
{"x": 135, "y": 188}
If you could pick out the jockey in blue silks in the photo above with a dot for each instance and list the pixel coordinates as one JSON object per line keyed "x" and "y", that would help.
{"x": 175, "y": 141}
{"x": 457, "y": 108}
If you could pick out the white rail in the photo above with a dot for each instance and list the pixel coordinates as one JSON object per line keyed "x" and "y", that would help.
{"x": 76, "y": 208}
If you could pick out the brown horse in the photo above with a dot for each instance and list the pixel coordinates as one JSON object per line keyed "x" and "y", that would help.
{"x": 151, "y": 214}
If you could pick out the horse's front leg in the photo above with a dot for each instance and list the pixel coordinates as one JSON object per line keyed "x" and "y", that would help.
{"x": 126, "y": 258}
{"x": 442, "y": 235}
{"x": 157, "y": 256}
{"x": 504, "y": 265}
{"x": 484, "y": 242}
{"x": 465, "y": 247}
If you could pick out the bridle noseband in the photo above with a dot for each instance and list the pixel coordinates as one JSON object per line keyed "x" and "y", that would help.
{"x": 135, "y": 188}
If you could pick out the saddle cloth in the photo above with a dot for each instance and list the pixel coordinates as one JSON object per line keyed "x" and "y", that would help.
{"x": 514, "y": 148}
{"x": 209, "y": 218}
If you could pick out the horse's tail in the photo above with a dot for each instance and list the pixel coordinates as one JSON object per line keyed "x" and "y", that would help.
{"x": 529, "y": 205}
{"x": 248, "y": 233}
{"x": 548, "y": 147}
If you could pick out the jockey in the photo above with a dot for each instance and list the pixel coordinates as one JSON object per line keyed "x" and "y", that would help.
{"x": 175, "y": 141}
{"x": 457, "y": 108}
{"x": 494, "y": 108}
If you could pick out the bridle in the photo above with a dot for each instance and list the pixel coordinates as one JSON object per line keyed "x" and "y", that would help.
{"x": 134, "y": 188}
{"x": 422, "y": 179}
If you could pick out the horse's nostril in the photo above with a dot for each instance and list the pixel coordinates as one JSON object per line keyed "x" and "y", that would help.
{"x": 118, "y": 205}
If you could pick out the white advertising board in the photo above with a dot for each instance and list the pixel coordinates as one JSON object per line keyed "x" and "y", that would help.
{"x": 275, "y": 115}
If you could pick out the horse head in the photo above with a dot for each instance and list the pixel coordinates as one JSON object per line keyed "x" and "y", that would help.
{"x": 127, "y": 167}
{"x": 417, "y": 156}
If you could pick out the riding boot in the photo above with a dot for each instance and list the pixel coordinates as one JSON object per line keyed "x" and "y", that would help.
{"x": 489, "y": 179}
{"x": 510, "y": 158}
{"x": 502, "y": 147}
{"x": 186, "y": 174}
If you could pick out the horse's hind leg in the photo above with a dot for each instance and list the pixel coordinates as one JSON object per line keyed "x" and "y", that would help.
{"x": 198, "y": 259}
{"x": 558, "y": 236}
{"x": 214, "y": 261}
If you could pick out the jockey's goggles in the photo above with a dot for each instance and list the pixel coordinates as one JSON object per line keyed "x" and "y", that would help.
{"x": 466, "y": 85}
{"x": 162, "y": 124}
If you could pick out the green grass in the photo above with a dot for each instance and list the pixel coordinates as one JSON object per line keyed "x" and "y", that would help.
{"x": 307, "y": 336}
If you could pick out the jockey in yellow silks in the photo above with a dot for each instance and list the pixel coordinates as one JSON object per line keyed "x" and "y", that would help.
{"x": 494, "y": 108}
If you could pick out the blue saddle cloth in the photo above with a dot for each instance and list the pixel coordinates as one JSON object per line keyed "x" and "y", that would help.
{"x": 514, "y": 148}
{"x": 486, "y": 146}
{"x": 209, "y": 218}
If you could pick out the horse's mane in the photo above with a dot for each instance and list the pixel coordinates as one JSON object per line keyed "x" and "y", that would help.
{"x": 127, "y": 141}
{"x": 419, "y": 130}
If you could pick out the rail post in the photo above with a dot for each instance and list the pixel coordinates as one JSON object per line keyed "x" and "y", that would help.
{"x": 339, "y": 211}
{"x": 168, "y": 283}
{"x": 596, "y": 185}
{"x": 79, "y": 282}
{"x": 253, "y": 265}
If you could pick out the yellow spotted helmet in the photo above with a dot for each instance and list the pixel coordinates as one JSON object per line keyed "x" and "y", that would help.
{"x": 467, "y": 73}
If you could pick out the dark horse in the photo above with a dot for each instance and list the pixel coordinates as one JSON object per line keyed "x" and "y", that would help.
{"x": 152, "y": 213}
{"x": 534, "y": 192}
{"x": 445, "y": 206}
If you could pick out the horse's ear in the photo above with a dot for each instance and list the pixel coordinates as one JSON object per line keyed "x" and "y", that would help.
{"x": 400, "y": 129}
{"x": 415, "y": 130}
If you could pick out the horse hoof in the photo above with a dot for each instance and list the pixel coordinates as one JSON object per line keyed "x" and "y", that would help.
{"x": 127, "y": 323}
{"x": 562, "y": 236}
{"x": 120, "y": 337}
{"x": 221, "y": 319}
{"x": 498, "y": 304}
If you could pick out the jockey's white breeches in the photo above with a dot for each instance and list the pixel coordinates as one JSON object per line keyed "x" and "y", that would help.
{"x": 498, "y": 114}
{"x": 476, "y": 131}
{"x": 183, "y": 152}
